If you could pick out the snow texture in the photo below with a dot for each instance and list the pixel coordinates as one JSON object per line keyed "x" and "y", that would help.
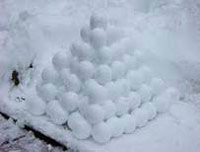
{"x": 104, "y": 84}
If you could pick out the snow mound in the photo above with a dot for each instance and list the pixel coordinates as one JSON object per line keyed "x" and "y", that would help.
{"x": 101, "y": 87}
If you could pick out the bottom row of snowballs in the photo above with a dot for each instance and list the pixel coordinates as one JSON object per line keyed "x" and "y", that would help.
{"x": 114, "y": 127}
{"x": 85, "y": 123}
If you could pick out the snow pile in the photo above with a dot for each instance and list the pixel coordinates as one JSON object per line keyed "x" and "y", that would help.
{"x": 100, "y": 87}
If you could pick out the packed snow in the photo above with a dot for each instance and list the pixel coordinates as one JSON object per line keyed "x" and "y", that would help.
{"x": 97, "y": 75}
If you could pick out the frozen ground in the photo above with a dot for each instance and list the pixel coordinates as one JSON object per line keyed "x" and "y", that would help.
{"x": 169, "y": 31}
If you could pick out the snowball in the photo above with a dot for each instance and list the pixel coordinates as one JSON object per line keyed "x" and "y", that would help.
{"x": 56, "y": 112}
{"x": 105, "y": 55}
{"x": 63, "y": 74}
{"x": 103, "y": 74}
{"x": 98, "y": 21}
{"x": 75, "y": 65}
{"x": 83, "y": 104}
{"x": 134, "y": 100}
{"x": 109, "y": 108}
{"x": 94, "y": 114}
{"x": 96, "y": 92}
{"x": 85, "y": 33}
{"x": 122, "y": 106}
{"x": 173, "y": 93}
{"x": 164, "y": 101}
{"x": 86, "y": 69}
{"x": 113, "y": 90}
{"x": 98, "y": 38}
{"x": 145, "y": 93}
{"x": 130, "y": 62}
{"x": 117, "y": 126}
{"x": 123, "y": 87}
{"x": 157, "y": 85}
{"x": 114, "y": 34}
{"x": 129, "y": 123}
{"x": 101, "y": 132}
{"x": 35, "y": 105}
{"x": 47, "y": 92}
{"x": 141, "y": 117}
{"x": 80, "y": 127}
{"x": 49, "y": 75}
{"x": 136, "y": 79}
{"x": 61, "y": 60}
{"x": 69, "y": 101}
{"x": 151, "y": 110}
{"x": 118, "y": 70}
{"x": 147, "y": 73}
{"x": 72, "y": 82}
{"x": 82, "y": 50}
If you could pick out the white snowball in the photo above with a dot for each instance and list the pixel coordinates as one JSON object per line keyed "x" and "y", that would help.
{"x": 98, "y": 21}
{"x": 109, "y": 108}
{"x": 118, "y": 70}
{"x": 74, "y": 66}
{"x": 103, "y": 74}
{"x": 122, "y": 106}
{"x": 47, "y": 92}
{"x": 157, "y": 85}
{"x": 82, "y": 50}
{"x": 63, "y": 74}
{"x": 164, "y": 101}
{"x": 69, "y": 101}
{"x": 98, "y": 38}
{"x": 147, "y": 73}
{"x": 80, "y": 127}
{"x": 96, "y": 92}
{"x": 117, "y": 126}
{"x": 85, "y": 33}
{"x": 86, "y": 70}
{"x": 56, "y": 112}
{"x": 130, "y": 62}
{"x": 173, "y": 93}
{"x": 123, "y": 87}
{"x": 118, "y": 51}
{"x": 83, "y": 104}
{"x": 114, "y": 35}
{"x": 141, "y": 117}
{"x": 129, "y": 122}
{"x": 101, "y": 132}
{"x": 94, "y": 114}
{"x": 135, "y": 79}
{"x": 61, "y": 60}
{"x": 35, "y": 105}
{"x": 134, "y": 100}
{"x": 113, "y": 90}
{"x": 105, "y": 55}
{"x": 145, "y": 93}
{"x": 49, "y": 75}
{"x": 72, "y": 82}
{"x": 151, "y": 110}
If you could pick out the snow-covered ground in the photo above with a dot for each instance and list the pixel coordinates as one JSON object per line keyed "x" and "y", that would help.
{"x": 13, "y": 138}
{"x": 167, "y": 31}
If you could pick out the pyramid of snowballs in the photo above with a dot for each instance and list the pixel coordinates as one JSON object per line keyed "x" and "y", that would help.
{"x": 100, "y": 89}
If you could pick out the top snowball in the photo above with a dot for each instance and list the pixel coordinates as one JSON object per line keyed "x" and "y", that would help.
{"x": 98, "y": 21}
